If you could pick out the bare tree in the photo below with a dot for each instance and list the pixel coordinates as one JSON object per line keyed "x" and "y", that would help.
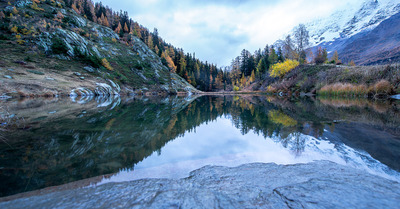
{"x": 288, "y": 48}
{"x": 302, "y": 40}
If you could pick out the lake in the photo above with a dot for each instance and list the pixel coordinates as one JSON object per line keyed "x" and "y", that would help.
{"x": 92, "y": 141}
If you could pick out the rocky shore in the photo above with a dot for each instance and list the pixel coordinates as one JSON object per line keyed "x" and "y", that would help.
{"x": 320, "y": 184}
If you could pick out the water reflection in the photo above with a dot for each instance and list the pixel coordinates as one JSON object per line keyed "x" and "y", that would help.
{"x": 64, "y": 140}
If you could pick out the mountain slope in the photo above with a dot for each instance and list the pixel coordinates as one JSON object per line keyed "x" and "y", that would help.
{"x": 48, "y": 49}
{"x": 379, "y": 46}
{"x": 367, "y": 33}
{"x": 355, "y": 18}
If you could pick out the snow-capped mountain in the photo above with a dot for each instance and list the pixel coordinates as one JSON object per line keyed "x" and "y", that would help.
{"x": 359, "y": 16}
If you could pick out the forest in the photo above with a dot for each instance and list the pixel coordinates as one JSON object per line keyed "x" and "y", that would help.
{"x": 244, "y": 70}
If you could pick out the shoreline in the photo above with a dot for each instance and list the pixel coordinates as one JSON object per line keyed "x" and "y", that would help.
{"x": 248, "y": 185}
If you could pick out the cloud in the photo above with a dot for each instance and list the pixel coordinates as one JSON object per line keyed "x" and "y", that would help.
{"x": 218, "y": 30}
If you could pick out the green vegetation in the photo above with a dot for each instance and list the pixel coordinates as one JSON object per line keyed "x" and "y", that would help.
{"x": 35, "y": 72}
{"x": 58, "y": 46}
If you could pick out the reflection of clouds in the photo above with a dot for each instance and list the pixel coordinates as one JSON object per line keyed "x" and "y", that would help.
{"x": 220, "y": 143}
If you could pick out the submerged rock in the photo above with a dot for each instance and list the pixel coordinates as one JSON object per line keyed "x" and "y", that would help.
{"x": 320, "y": 184}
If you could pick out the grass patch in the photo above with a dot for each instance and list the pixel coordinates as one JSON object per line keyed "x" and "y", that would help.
{"x": 382, "y": 87}
{"x": 35, "y": 72}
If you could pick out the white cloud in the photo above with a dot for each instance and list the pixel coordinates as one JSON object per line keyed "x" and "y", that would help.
{"x": 218, "y": 30}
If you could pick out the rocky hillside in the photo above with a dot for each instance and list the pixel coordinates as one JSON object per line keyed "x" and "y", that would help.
{"x": 48, "y": 49}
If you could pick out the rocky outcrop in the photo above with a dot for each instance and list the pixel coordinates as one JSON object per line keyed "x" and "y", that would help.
{"x": 316, "y": 185}
{"x": 82, "y": 58}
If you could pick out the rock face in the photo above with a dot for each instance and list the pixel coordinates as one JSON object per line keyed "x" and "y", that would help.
{"x": 316, "y": 185}
{"x": 107, "y": 64}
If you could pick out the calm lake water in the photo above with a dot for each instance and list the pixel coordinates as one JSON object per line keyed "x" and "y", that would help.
{"x": 58, "y": 141}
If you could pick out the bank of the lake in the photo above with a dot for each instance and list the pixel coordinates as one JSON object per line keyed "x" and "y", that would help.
{"x": 379, "y": 81}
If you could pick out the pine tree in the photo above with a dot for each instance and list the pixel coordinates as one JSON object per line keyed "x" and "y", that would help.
{"x": 335, "y": 58}
{"x": 105, "y": 22}
{"x": 126, "y": 29}
{"x": 322, "y": 56}
{"x": 150, "y": 42}
{"x": 252, "y": 76}
{"x": 261, "y": 68}
{"x": 273, "y": 57}
{"x": 118, "y": 29}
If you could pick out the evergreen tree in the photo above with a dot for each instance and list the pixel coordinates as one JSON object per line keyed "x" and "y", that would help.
{"x": 280, "y": 55}
{"x": 273, "y": 57}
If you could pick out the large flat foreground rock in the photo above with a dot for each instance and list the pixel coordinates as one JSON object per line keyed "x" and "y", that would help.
{"x": 315, "y": 185}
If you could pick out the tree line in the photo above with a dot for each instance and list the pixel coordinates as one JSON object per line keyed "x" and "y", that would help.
{"x": 243, "y": 71}
{"x": 202, "y": 75}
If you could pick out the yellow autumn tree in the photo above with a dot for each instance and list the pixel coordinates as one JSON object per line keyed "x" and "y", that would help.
{"x": 126, "y": 29}
{"x": 281, "y": 68}
{"x": 75, "y": 9}
{"x": 14, "y": 29}
{"x": 14, "y": 10}
{"x": 34, "y": 6}
{"x": 106, "y": 64}
{"x": 252, "y": 76}
{"x": 169, "y": 60}
{"x": 118, "y": 29}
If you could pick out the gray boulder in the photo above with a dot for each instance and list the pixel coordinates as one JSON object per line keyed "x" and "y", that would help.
{"x": 315, "y": 185}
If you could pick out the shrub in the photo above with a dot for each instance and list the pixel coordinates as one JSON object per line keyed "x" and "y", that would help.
{"x": 59, "y": 46}
{"x": 14, "y": 29}
{"x": 106, "y": 64}
{"x": 381, "y": 87}
{"x": 94, "y": 61}
{"x": 4, "y": 37}
{"x": 280, "y": 69}
{"x": 235, "y": 88}
{"x": 34, "y": 6}
{"x": 271, "y": 89}
{"x": 345, "y": 90}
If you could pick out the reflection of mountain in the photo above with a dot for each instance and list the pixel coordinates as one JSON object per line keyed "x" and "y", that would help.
{"x": 85, "y": 142}
{"x": 364, "y": 125}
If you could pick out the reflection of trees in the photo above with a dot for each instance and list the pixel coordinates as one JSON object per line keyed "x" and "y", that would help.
{"x": 62, "y": 149}
{"x": 278, "y": 117}
{"x": 266, "y": 119}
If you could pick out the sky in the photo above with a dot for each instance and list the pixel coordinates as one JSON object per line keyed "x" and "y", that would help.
{"x": 217, "y": 30}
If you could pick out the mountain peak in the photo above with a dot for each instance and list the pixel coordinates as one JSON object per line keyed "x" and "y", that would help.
{"x": 354, "y": 18}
